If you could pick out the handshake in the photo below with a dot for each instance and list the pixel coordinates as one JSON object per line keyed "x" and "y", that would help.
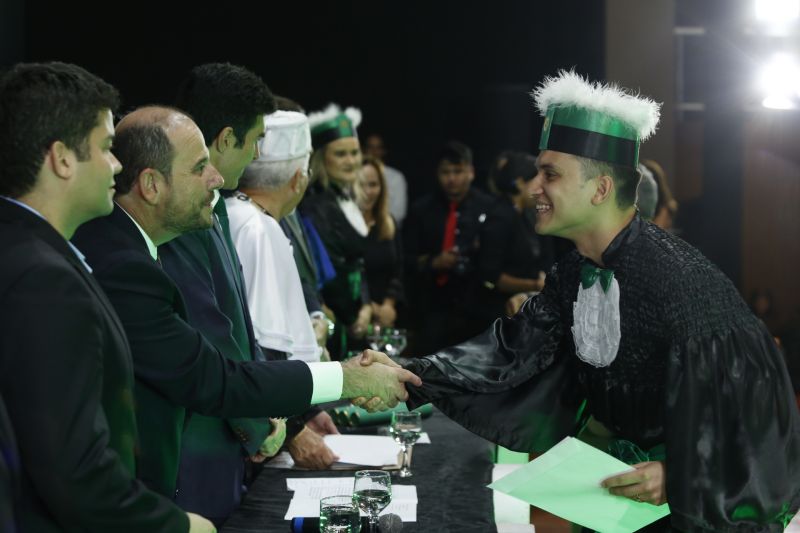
{"x": 375, "y": 382}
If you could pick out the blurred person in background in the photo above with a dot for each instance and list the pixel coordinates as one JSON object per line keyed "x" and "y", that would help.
{"x": 666, "y": 206}
{"x": 382, "y": 256}
{"x": 529, "y": 256}
{"x": 396, "y": 184}
{"x": 647, "y": 194}
{"x": 453, "y": 250}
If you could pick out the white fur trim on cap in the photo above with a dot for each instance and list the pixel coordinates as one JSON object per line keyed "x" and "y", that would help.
{"x": 570, "y": 89}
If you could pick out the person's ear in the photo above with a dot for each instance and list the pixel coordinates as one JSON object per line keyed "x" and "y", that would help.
{"x": 605, "y": 189}
{"x": 225, "y": 140}
{"x": 295, "y": 182}
{"x": 152, "y": 185}
{"x": 62, "y": 161}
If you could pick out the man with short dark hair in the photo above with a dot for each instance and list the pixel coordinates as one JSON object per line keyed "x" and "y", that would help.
{"x": 453, "y": 252}
{"x": 637, "y": 342}
{"x": 228, "y": 103}
{"x": 65, "y": 363}
{"x": 176, "y": 367}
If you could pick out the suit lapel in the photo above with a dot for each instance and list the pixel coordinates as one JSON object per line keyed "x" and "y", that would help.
{"x": 47, "y": 233}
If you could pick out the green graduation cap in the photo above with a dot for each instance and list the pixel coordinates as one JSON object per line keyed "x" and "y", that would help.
{"x": 594, "y": 120}
{"x": 332, "y": 123}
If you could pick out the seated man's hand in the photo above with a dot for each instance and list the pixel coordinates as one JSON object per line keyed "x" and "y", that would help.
{"x": 325, "y": 356}
{"x": 322, "y": 424}
{"x": 384, "y": 314}
{"x": 359, "y": 328}
{"x": 320, "y": 325}
{"x": 198, "y": 524}
{"x": 308, "y": 450}
{"x": 273, "y": 442}
{"x": 374, "y": 376}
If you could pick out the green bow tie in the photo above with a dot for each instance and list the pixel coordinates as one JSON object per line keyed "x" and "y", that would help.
{"x": 590, "y": 274}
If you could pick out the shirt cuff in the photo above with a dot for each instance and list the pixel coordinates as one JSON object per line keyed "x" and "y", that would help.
{"x": 327, "y": 379}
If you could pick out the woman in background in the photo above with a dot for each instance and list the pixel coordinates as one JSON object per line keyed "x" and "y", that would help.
{"x": 335, "y": 167}
{"x": 382, "y": 255}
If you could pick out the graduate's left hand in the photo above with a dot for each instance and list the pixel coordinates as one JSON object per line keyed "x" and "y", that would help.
{"x": 645, "y": 484}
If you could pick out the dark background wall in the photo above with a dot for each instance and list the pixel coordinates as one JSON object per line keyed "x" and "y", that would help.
{"x": 422, "y": 72}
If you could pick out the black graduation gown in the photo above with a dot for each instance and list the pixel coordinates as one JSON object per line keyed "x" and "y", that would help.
{"x": 695, "y": 371}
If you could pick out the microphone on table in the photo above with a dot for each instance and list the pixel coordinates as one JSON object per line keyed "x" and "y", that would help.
{"x": 388, "y": 523}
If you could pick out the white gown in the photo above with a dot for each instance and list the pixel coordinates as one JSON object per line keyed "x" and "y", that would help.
{"x": 274, "y": 294}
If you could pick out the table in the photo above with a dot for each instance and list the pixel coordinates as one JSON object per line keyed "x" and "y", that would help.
{"x": 450, "y": 474}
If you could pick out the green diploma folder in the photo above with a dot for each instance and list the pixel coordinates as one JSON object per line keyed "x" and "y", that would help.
{"x": 565, "y": 481}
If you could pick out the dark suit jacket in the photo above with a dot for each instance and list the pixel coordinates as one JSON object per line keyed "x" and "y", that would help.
{"x": 292, "y": 227}
{"x": 208, "y": 275}
{"x": 9, "y": 473}
{"x": 176, "y": 368}
{"x": 66, "y": 379}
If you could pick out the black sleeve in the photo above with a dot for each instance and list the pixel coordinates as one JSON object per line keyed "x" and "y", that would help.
{"x": 9, "y": 474}
{"x": 512, "y": 383}
{"x": 311, "y": 297}
{"x": 52, "y": 386}
{"x": 188, "y": 261}
{"x": 173, "y": 358}
{"x": 733, "y": 429}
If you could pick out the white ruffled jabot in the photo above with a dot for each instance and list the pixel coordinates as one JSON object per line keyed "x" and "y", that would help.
{"x": 596, "y": 324}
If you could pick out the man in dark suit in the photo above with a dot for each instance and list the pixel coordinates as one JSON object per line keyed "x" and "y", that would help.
{"x": 9, "y": 473}
{"x": 228, "y": 104}
{"x": 166, "y": 189}
{"x": 65, "y": 364}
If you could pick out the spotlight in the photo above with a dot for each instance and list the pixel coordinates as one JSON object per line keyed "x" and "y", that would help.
{"x": 777, "y": 11}
{"x": 777, "y": 17}
{"x": 780, "y": 82}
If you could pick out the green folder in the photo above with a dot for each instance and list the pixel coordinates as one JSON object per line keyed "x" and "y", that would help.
{"x": 565, "y": 481}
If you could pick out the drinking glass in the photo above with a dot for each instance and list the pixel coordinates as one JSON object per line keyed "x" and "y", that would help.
{"x": 375, "y": 337}
{"x": 372, "y": 492}
{"x": 406, "y": 428}
{"x": 395, "y": 341}
{"x": 339, "y": 514}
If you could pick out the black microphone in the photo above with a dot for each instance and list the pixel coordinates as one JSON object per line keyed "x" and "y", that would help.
{"x": 388, "y": 523}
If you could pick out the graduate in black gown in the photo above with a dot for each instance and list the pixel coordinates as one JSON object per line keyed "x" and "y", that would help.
{"x": 637, "y": 343}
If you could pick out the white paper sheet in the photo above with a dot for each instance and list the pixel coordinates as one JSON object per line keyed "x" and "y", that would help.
{"x": 284, "y": 461}
{"x": 309, "y": 491}
{"x": 367, "y": 450}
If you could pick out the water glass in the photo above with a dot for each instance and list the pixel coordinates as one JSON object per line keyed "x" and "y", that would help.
{"x": 372, "y": 492}
{"x": 395, "y": 341}
{"x": 339, "y": 514}
{"x": 406, "y": 428}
